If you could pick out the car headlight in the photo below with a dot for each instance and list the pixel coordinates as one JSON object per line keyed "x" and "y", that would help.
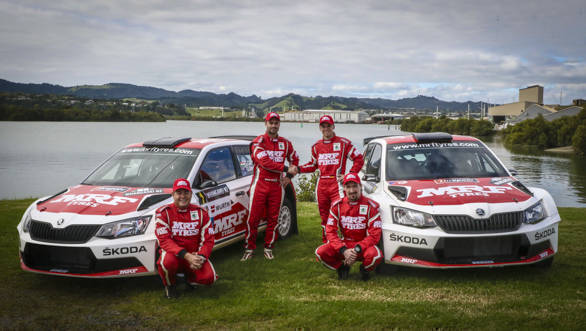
{"x": 534, "y": 213}
{"x": 410, "y": 217}
{"x": 124, "y": 228}
{"x": 26, "y": 224}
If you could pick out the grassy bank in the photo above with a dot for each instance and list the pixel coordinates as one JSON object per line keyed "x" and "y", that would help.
{"x": 294, "y": 291}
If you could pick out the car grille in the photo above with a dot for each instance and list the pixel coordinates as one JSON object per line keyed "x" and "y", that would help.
{"x": 77, "y": 260}
{"x": 73, "y": 234}
{"x": 504, "y": 222}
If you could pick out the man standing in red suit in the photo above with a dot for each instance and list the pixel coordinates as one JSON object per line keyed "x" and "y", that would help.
{"x": 329, "y": 156}
{"x": 269, "y": 153}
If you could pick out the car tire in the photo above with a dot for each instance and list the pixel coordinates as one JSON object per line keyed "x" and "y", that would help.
{"x": 545, "y": 264}
{"x": 287, "y": 223}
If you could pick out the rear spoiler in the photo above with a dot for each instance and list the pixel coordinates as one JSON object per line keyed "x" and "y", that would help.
{"x": 241, "y": 137}
{"x": 367, "y": 140}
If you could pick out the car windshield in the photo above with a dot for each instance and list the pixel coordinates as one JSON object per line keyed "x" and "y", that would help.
{"x": 441, "y": 160}
{"x": 145, "y": 167}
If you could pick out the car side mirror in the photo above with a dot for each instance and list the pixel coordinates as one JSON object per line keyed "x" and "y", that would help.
{"x": 513, "y": 172}
{"x": 207, "y": 183}
{"x": 370, "y": 178}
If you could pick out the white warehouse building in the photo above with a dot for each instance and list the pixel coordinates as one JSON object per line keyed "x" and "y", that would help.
{"x": 313, "y": 115}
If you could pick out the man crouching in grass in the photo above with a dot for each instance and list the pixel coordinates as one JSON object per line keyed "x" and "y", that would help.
{"x": 186, "y": 237}
{"x": 358, "y": 219}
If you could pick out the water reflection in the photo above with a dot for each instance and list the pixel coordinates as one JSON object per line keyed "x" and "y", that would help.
{"x": 41, "y": 158}
{"x": 564, "y": 176}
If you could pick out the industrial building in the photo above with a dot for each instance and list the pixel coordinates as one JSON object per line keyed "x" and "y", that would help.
{"x": 313, "y": 115}
{"x": 528, "y": 96}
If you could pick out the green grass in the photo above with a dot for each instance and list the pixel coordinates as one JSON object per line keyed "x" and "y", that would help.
{"x": 294, "y": 291}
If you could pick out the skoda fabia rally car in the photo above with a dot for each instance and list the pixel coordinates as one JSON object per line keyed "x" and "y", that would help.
{"x": 104, "y": 227}
{"x": 449, "y": 202}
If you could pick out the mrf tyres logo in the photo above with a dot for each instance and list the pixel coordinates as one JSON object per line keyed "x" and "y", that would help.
{"x": 353, "y": 222}
{"x": 93, "y": 200}
{"x": 544, "y": 234}
{"x": 123, "y": 250}
{"x": 407, "y": 239}
{"x": 462, "y": 191}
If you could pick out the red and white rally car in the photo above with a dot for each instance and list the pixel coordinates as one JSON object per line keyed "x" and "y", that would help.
{"x": 104, "y": 227}
{"x": 449, "y": 202}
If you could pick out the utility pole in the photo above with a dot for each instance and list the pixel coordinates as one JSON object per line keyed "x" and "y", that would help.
{"x": 468, "y": 111}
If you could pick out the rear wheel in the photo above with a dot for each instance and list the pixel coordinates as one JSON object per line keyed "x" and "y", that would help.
{"x": 287, "y": 222}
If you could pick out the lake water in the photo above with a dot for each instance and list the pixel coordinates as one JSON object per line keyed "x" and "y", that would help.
{"x": 42, "y": 158}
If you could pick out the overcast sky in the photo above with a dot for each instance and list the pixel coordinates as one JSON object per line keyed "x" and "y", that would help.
{"x": 453, "y": 50}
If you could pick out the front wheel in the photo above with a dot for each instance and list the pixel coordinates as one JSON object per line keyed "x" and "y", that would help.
{"x": 287, "y": 221}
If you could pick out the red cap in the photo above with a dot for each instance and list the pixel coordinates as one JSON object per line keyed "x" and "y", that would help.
{"x": 351, "y": 177}
{"x": 272, "y": 115}
{"x": 181, "y": 183}
{"x": 326, "y": 119}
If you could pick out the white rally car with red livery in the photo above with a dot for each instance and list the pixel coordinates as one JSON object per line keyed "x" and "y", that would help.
{"x": 449, "y": 202}
{"x": 104, "y": 227}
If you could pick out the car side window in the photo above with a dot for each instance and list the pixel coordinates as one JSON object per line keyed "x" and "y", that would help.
{"x": 367, "y": 155}
{"x": 243, "y": 160}
{"x": 218, "y": 166}
{"x": 373, "y": 164}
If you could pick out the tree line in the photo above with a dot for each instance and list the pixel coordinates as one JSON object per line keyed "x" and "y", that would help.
{"x": 26, "y": 107}
{"x": 539, "y": 133}
{"x": 469, "y": 127}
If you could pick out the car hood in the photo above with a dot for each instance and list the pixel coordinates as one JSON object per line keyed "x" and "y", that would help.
{"x": 457, "y": 191}
{"x": 99, "y": 200}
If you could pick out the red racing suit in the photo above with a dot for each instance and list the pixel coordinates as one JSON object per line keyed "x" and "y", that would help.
{"x": 184, "y": 231}
{"x": 359, "y": 224}
{"x": 266, "y": 193}
{"x": 329, "y": 157}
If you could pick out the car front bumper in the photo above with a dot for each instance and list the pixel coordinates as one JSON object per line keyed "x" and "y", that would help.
{"x": 97, "y": 258}
{"x": 434, "y": 248}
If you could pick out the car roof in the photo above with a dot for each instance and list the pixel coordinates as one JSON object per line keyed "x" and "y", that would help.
{"x": 192, "y": 143}
{"x": 412, "y": 139}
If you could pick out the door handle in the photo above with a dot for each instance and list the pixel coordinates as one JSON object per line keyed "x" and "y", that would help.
{"x": 241, "y": 193}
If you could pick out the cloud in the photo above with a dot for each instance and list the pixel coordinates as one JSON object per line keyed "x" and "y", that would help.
{"x": 456, "y": 49}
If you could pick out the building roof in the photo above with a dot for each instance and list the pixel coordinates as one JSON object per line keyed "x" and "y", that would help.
{"x": 532, "y": 112}
{"x": 570, "y": 111}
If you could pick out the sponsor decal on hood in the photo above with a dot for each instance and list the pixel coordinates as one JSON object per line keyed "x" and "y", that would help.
{"x": 463, "y": 190}
{"x": 87, "y": 200}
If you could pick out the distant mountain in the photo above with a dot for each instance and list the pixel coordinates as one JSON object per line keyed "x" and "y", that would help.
{"x": 200, "y": 98}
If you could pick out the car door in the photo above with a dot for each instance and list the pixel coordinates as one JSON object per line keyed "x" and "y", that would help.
{"x": 215, "y": 191}
{"x": 221, "y": 185}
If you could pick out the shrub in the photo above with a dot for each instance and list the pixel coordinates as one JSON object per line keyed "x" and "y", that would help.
{"x": 305, "y": 187}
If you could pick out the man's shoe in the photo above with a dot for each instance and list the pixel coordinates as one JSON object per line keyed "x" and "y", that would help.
{"x": 171, "y": 292}
{"x": 248, "y": 254}
{"x": 343, "y": 272}
{"x": 364, "y": 274}
{"x": 269, "y": 254}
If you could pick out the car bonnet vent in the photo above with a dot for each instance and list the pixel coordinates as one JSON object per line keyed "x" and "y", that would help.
{"x": 432, "y": 137}
{"x": 165, "y": 142}
{"x": 153, "y": 199}
{"x": 399, "y": 191}
{"x": 521, "y": 187}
